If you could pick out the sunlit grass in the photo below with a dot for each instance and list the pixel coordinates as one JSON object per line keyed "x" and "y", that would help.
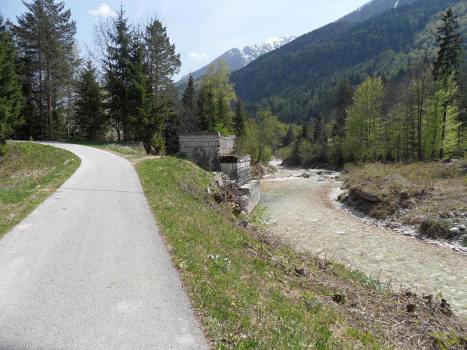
{"x": 29, "y": 173}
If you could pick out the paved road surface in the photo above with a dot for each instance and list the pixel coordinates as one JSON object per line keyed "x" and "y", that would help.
{"x": 88, "y": 269}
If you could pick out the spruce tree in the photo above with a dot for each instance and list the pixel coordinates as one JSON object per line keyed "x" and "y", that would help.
{"x": 289, "y": 137}
{"x": 162, "y": 62}
{"x": 447, "y": 65}
{"x": 189, "y": 122}
{"x": 11, "y": 96}
{"x": 172, "y": 145}
{"x": 45, "y": 36}
{"x": 118, "y": 75}
{"x": 90, "y": 118}
{"x": 239, "y": 119}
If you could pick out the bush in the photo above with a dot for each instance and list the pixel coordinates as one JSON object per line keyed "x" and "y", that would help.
{"x": 436, "y": 229}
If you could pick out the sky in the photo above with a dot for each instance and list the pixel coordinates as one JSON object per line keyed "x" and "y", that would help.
{"x": 203, "y": 29}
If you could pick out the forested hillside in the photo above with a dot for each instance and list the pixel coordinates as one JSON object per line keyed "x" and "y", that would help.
{"x": 299, "y": 80}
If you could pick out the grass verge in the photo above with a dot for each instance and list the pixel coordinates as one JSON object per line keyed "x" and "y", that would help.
{"x": 29, "y": 173}
{"x": 254, "y": 293}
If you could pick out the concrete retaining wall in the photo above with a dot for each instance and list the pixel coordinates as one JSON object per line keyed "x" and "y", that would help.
{"x": 237, "y": 168}
{"x": 252, "y": 195}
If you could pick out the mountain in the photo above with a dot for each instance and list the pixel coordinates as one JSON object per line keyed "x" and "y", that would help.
{"x": 374, "y": 8}
{"x": 298, "y": 80}
{"x": 236, "y": 59}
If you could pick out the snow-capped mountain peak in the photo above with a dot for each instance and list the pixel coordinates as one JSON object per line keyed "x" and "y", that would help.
{"x": 252, "y": 52}
{"x": 236, "y": 59}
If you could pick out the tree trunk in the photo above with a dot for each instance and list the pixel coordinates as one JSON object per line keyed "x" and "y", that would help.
{"x": 443, "y": 131}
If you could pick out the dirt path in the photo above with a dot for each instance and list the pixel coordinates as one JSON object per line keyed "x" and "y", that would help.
{"x": 305, "y": 217}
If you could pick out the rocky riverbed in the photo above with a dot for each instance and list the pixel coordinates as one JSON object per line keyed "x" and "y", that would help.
{"x": 304, "y": 214}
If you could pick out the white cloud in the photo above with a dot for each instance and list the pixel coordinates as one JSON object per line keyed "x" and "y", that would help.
{"x": 104, "y": 10}
{"x": 198, "y": 56}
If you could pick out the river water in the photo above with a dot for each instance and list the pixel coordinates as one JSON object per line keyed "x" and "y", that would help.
{"x": 304, "y": 215}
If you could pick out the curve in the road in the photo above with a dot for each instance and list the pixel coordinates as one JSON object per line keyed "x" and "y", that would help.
{"x": 89, "y": 270}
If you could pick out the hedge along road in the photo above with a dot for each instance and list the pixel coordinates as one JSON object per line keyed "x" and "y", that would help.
{"x": 88, "y": 269}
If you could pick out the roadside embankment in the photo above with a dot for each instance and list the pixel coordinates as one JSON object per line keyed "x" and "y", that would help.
{"x": 29, "y": 173}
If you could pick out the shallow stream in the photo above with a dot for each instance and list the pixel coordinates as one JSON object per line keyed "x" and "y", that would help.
{"x": 305, "y": 216}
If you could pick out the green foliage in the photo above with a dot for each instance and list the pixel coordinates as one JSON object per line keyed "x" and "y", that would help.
{"x": 441, "y": 131}
{"x": 299, "y": 80}
{"x": 45, "y": 38}
{"x": 139, "y": 68}
{"x": 215, "y": 99}
{"x": 239, "y": 119}
{"x": 189, "y": 122}
{"x": 11, "y": 96}
{"x": 364, "y": 126}
{"x": 90, "y": 118}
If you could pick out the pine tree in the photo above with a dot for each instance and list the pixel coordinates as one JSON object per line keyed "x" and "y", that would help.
{"x": 11, "y": 96}
{"x": 447, "y": 65}
{"x": 449, "y": 56}
{"x": 118, "y": 75}
{"x": 189, "y": 122}
{"x": 172, "y": 145}
{"x": 46, "y": 39}
{"x": 90, "y": 117}
{"x": 162, "y": 63}
{"x": 239, "y": 119}
{"x": 343, "y": 101}
{"x": 289, "y": 137}
{"x": 205, "y": 109}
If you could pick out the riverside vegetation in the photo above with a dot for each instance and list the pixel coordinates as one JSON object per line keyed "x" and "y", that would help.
{"x": 430, "y": 196}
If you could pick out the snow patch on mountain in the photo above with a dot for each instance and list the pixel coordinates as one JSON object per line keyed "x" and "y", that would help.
{"x": 236, "y": 59}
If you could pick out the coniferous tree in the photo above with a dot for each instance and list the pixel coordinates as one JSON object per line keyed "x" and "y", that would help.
{"x": 172, "y": 145}
{"x": 289, "y": 137}
{"x": 141, "y": 120}
{"x": 189, "y": 122}
{"x": 343, "y": 101}
{"x": 11, "y": 96}
{"x": 162, "y": 63}
{"x": 118, "y": 75}
{"x": 90, "y": 118}
{"x": 46, "y": 40}
{"x": 239, "y": 119}
{"x": 205, "y": 109}
{"x": 447, "y": 65}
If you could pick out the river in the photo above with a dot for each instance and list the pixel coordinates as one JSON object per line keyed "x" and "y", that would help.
{"x": 304, "y": 216}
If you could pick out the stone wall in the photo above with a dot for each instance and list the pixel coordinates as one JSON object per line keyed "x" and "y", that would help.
{"x": 237, "y": 168}
{"x": 227, "y": 145}
{"x": 252, "y": 195}
{"x": 202, "y": 149}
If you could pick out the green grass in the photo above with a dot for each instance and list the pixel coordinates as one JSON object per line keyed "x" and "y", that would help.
{"x": 129, "y": 151}
{"x": 29, "y": 173}
{"x": 243, "y": 289}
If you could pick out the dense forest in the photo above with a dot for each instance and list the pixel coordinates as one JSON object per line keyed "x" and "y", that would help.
{"x": 419, "y": 118}
{"x": 299, "y": 81}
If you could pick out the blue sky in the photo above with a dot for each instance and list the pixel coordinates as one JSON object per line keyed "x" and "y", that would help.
{"x": 203, "y": 29}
